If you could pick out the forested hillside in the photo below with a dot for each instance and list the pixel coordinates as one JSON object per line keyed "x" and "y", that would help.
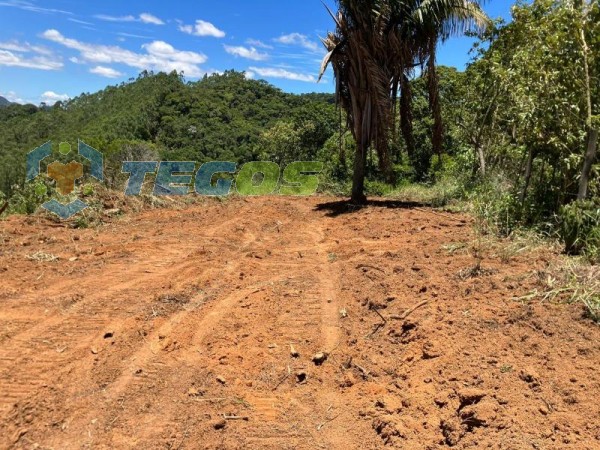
{"x": 219, "y": 117}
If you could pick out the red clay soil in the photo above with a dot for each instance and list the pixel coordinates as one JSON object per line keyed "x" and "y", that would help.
{"x": 173, "y": 329}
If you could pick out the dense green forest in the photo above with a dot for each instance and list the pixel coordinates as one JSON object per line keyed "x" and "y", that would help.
{"x": 515, "y": 133}
{"x": 221, "y": 117}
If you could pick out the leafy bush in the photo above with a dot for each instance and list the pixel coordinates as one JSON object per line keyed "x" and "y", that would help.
{"x": 27, "y": 198}
{"x": 580, "y": 228}
{"x": 376, "y": 188}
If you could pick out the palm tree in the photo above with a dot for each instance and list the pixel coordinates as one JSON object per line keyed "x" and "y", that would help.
{"x": 376, "y": 46}
{"x": 361, "y": 61}
{"x": 438, "y": 20}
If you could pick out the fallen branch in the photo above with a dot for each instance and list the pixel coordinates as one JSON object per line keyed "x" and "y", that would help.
{"x": 379, "y": 326}
{"x": 226, "y": 417}
{"x": 211, "y": 400}
{"x": 3, "y": 207}
{"x": 364, "y": 371}
{"x": 408, "y": 312}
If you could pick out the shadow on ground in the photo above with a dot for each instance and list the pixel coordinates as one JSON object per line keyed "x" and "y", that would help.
{"x": 339, "y": 208}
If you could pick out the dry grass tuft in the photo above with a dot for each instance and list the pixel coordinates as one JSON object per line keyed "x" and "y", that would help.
{"x": 573, "y": 280}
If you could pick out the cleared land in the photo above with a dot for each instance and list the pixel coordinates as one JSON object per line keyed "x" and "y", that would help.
{"x": 174, "y": 329}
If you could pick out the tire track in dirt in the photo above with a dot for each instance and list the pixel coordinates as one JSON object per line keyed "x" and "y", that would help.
{"x": 39, "y": 350}
{"x": 33, "y": 356}
{"x": 277, "y": 414}
{"x": 317, "y": 316}
{"x": 310, "y": 321}
{"x": 147, "y": 355}
{"x": 145, "y": 365}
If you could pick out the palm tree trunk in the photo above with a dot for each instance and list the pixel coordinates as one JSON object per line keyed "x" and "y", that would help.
{"x": 437, "y": 136}
{"x": 358, "y": 176}
{"x": 406, "y": 117}
{"x": 342, "y": 140}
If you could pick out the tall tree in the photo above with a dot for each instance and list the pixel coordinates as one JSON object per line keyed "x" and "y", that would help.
{"x": 439, "y": 20}
{"x": 583, "y": 9}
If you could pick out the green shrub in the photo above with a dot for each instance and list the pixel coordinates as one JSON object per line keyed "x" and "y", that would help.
{"x": 445, "y": 191}
{"x": 592, "y": 248}
{"x": 580, "y": 228}
{"x": 376, "y": 188}
{"x": 496, "y": 207}
{"x": 27, "y": 198}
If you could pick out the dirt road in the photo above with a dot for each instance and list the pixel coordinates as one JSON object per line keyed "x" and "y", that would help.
{"x": 174, "y": 329}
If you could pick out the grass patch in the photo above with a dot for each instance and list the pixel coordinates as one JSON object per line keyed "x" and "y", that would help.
{"x": 446, "y": 192}
{"x": 575, "y": 281}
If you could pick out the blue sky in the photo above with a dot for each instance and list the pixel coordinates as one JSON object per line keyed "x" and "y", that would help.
{"x": 55, "y": 49}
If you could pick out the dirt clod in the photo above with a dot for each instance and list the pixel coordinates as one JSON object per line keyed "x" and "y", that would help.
{"x": 530, "y": 376}
{"x": 219, "y": 424}
{"x": 319, "y": 358}
{"x": 293, "y": 352}
{"x": 470, "y": 396}
{"x": 301, "y": 376}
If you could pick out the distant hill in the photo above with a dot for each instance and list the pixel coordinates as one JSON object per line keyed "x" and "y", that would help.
{"x": 4, "y": 102}
{"x": 220, "y": 117}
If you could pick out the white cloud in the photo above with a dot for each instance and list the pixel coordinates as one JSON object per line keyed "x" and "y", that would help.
{"x": 202, "y": 28}
{"x": 14, "y": 46}
{"x": 158, "y": 56}
{"x": 131, "y": 35}
{"x": 108, "y": 18}
{"x": 274, "y": 72}
{"x": 149, "y": 18}
{"x": 107, "y": 72}
{"x": 24, "y": 47}
{"x": 23, "y": 54}
{"x": 258, "y": 43}
{"x": 29, "y": 6}
{"x": 12, "y": 97}
{"x": 298, "y": 39}
{"x": 248, "y": 53}
{"x": 50, "y": 97}
{"x": 144, "y": 18}
{"x": 81, "y": 22}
